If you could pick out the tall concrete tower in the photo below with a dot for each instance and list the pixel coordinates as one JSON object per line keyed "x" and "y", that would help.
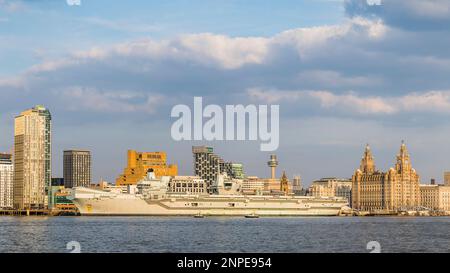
{"x": 273, "y": 164}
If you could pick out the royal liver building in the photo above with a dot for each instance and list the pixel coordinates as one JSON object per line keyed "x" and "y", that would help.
{"x": 396, "y": 189}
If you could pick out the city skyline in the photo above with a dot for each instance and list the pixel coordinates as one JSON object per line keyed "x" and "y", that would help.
{"x": 159, "y": 158}
{"x": 343, "y": 72}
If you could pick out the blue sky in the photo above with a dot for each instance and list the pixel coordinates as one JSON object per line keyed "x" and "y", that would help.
{"x": 345, "y": 73}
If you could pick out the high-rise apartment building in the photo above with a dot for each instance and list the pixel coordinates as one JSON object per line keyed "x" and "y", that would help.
{"x": 396, "y": 189}
{"x": 32, "y": 159}
{"x": 140, "y": 162}
{"x": 77, "y": 168}
{"x": 297, "y": 187}
{"x": 447, "y": 179}
{"x": 6, "y": 180}
{"x": 208, "y": 165}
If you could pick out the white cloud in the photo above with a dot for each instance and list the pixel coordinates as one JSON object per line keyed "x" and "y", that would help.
{"x": 431, "y": 101}
{"x": 375, "y": 29}
{"x": 349, "y": 102}
{"x": 121, "y": 25}
{"x": 353, "y": 103}
{"x": 228, "y": 52}
{"x": 306, "y": 39}
{"x": 333, "y": 78}
{"x": 359, "y": 54}
{"x": 374, "y": 2}
{"x": 112, "y": 102}
{"x": 12, "y": 5}
{"x": 222, "y": 51}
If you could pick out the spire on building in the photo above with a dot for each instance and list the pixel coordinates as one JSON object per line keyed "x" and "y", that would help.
{"x": 403, "y": 150}
{"x": 367, "y": 161}
{"x": 284, "y": 183}
{"x": 403, "y": 162}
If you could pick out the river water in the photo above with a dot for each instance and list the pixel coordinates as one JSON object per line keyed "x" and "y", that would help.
{"x": 221, "y": 234}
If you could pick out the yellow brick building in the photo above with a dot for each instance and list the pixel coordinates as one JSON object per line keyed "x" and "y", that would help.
{"x": 140, "y": 162}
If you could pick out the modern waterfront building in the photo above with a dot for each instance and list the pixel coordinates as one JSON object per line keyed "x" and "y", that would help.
{"x": 187, "y": 184}
{"x": 60, "y": 199}
{"x": 140, "y": 162}
{"x": 332, "y": 187}
{"x": 394, "y": 190}
{"x": 6, "y": 180}
{"x": 32, "y": 159}
{"x": 77, "y": 168}
{"x": 208, "y": 165}
{"x": 237, "y": 170}
{"x": 435, "y": 197}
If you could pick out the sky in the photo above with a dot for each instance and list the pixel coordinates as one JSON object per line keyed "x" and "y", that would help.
{"x": 345, "y": 73}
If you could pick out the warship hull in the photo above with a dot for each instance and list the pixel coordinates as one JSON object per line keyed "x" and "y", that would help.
{"x": 97, "y": 203}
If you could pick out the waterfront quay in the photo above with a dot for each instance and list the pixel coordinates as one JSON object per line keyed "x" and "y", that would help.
{"x": 349, "y": 213}
{"x": 38, "y": 212}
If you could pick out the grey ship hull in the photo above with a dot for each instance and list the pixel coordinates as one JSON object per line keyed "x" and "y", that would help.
{"x": 90, "y": 202}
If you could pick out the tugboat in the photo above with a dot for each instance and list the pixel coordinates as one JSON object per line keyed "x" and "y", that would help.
{"x": 199, "y": 215}
{"x": 252, "y": 216}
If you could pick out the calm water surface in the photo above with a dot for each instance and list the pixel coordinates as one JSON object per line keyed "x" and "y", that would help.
{"x": 166, "y": 234}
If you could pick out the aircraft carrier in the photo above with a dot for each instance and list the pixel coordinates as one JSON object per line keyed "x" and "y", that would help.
{"x": 151, "y": 198}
